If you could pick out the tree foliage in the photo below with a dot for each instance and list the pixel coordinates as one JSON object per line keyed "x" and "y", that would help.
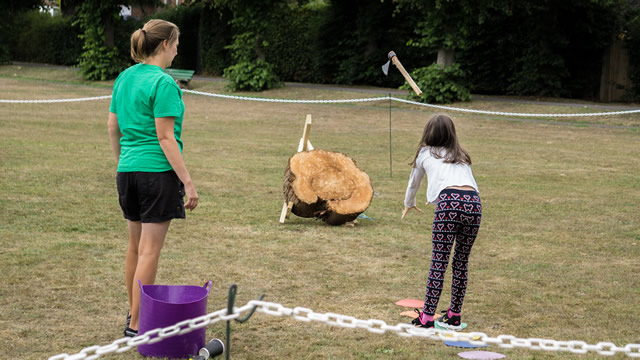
{"x": 10, "y": 9}
{"x": 439, "y": 84}
{"x": 98, "y": 61}
{"x": 357, "y": 37}
{"x": 101, "y": 58}
{"x": 249, "y": 22}
{"x": 529, "y": 47}
{"x": 449, "y": 23}
{"x": 524, "y": 47}
{"x": 628, "y": 29}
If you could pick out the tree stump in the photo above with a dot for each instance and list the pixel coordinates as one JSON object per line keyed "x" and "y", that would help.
{"x": 326, "y": 185}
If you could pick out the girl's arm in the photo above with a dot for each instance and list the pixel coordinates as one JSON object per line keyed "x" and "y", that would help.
{"x": 114, "y": 134}
{"x": 169, "y": 145}
{"x": 415, "y": 180}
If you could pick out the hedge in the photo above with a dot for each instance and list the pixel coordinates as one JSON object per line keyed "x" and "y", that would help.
{"x": 39, "y": 37}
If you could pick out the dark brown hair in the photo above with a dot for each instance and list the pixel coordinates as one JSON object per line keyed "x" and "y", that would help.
{"x": 145, "y": 41}
{"x": 440, "y": 134}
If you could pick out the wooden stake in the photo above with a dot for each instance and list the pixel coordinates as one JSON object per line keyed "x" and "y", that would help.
{"x": 303, "y": 145}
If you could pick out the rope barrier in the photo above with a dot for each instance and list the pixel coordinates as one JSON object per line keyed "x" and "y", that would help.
{"x": 54, "y": 100}
{"x": 372, "y": 325}
{"x": 516, "y": 114}
{"x": 288, "y": 101}
{"x": 344, "y": 101}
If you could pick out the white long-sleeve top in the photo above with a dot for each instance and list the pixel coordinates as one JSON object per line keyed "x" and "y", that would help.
{"x": 440, "y": 175}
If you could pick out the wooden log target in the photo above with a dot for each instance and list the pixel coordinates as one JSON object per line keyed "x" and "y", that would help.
{"x": 326, "y": 185}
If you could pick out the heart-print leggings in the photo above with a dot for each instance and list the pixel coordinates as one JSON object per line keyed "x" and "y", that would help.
{"x": 456, "y": 221}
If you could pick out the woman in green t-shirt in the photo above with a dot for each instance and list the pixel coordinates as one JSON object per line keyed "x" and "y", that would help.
{"x": 145, "y": 129}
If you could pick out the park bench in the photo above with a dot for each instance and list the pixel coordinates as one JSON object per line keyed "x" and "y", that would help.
{"x": 182, "y": 77}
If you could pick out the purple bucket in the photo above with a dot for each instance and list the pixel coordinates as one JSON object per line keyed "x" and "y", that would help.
{"x": 165, "y": 305}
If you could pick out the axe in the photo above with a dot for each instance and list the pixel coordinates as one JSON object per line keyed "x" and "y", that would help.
{"x": 394, "y": 58}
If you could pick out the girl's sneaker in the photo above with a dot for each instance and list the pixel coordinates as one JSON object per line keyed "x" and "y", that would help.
{"x": 418, "y": 322}
{"x": 450, "y": 321}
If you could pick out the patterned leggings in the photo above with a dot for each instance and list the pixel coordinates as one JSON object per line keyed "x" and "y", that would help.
{"x": 457, "y": 219}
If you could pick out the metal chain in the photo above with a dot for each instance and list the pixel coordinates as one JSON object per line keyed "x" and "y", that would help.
{"x": 371, "y": 325}
{"x": 343, "y": 101}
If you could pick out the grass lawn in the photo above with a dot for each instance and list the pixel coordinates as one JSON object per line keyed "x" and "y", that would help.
{"x": 557, "y": 256}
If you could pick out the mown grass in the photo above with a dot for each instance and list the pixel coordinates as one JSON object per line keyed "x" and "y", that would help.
{"x": 557, "y": 255}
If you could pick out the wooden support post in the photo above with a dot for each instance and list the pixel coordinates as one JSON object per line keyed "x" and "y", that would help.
{"x": 303, "y": 145}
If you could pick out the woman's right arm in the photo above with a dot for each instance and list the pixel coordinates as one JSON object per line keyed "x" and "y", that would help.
{"x": 169, "y": 145}
{"x": 114, "y": 134}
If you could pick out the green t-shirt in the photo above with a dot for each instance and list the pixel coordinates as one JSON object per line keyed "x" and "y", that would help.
{"x": 142, "y": 93}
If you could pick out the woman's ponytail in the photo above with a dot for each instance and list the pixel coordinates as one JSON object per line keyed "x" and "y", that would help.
{"x": 137, "y": 45}
{"x": 145, "y": 41}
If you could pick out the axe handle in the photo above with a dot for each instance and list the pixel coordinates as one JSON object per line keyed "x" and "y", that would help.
{"x": 406, "y": 75}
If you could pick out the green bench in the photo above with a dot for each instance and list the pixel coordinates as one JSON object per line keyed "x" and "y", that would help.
{"x": 182, "y": 77}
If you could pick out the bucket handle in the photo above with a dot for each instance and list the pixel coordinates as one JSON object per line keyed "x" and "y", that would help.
{"x": 207, "y": 286}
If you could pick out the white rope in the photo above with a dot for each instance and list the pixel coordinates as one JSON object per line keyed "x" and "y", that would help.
{"x": 343, "y": 101}
{"x": 372, "y": 325}
{"x": 54, "y": 100}
{"x": 516, "y": 114}
{"x": 289, "y": 101}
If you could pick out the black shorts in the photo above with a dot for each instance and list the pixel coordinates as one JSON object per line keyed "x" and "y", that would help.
{"x": 150, "y": 197}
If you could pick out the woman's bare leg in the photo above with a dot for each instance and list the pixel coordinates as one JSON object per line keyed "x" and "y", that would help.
{"x": 151, "y": 241}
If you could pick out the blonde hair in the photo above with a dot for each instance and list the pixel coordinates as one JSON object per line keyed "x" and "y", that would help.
{"x": 145, "y": 41}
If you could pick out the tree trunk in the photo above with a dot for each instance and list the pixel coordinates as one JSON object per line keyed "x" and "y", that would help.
{"x": 326, "y": 185}
{"x": 445, "y": 57}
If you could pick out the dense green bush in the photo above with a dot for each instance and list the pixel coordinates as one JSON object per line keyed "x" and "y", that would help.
{"x": 215, "y": 35}
{"x": 539, "y": 49}
{"x": 629, "y": 32}
{"x": 5, "y": 47}
{"x": 254, "y": 75}
{"x": 122, "y": 37}
{"x": 293, "y": 43}
{"x": 633, "y": 48}
{"x": 356, "y": 38}
{"x": 40, "y": 37}
{"x": 440, "y": 85}
{"x": 98, "y": 61}
{"x": 502, "y": 47}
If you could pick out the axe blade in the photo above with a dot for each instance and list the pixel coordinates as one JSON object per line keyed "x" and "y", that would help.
{"x": 385, "y": 68}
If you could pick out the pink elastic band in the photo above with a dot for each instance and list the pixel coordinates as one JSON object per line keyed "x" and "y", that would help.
{"x": 451, "y": 313}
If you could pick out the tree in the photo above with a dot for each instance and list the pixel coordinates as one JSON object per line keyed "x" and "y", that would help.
{"x": 447, "y": 24}
{"x": 628, "y": 30}
{"x": 249, "y": 21}
{"x": 13, "y": 6}
{"x": 357, "y": 37}
{"x": 525, "y": 47}
{"x": 100, "y": 59}
{"x": 10, "y": 9}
